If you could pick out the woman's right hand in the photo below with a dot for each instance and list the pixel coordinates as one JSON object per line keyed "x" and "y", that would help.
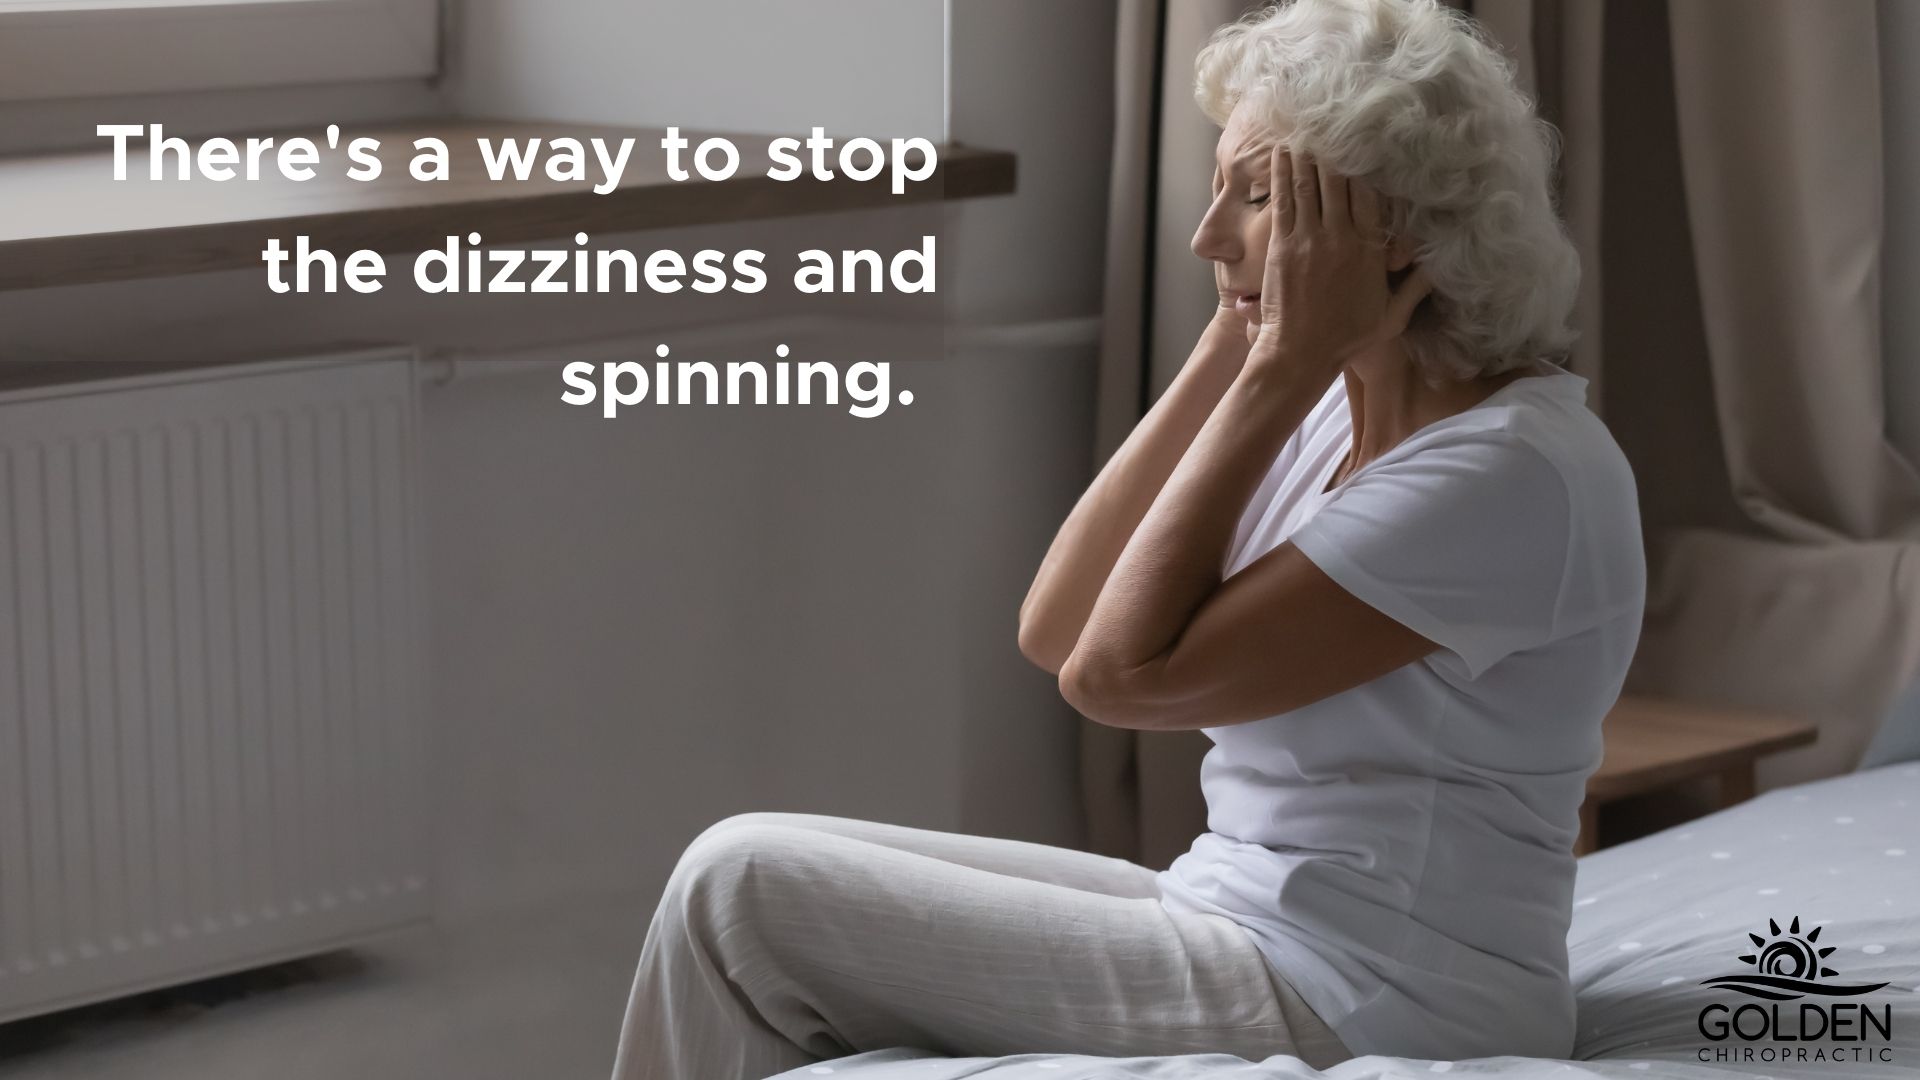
{"x": 1089, "y": 543}
{"x": 1228, "y": 314}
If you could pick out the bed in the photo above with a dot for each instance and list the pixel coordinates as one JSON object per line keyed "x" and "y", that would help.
{"x": 1654, "y": 922}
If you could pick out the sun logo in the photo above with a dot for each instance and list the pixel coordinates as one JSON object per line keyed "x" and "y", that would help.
{"x": 1789, "y": 954}
{"x": 1788, "y": 966}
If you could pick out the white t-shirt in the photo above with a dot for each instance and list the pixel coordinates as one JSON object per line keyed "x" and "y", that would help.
{"x": 1402, "y": 852}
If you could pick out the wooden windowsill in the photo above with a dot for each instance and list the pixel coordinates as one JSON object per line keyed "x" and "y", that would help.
{"x": 64, "y": 220}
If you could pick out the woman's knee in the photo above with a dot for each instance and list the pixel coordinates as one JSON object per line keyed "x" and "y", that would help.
{"x": 740, "y": 841}
{"x": 761, "y": 819}
{"x": 759, "y": 847}
{"x": 727, "y": 882}
{"x": 734, "y": 852}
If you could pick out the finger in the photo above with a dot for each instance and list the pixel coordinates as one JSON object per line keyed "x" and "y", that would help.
{"x": 1306, "y": 192}
{"x": 1280, "y": 186}
{"x": 1414, "y": 288}
{"x": 1333, "y": 201}
{"x": 1364, "y": 202}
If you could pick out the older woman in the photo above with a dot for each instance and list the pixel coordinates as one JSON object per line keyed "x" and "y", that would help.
{"x": 1372, "y": 542}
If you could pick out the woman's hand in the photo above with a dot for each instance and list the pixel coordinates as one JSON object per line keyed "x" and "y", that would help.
{"x": 1169, "y": 641}
{"x": 1324, "y": 297}
{"x": 1078, "y": 564}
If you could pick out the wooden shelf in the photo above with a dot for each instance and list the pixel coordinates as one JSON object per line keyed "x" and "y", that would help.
{"x": 64, "y": 220}
{"x": 1652, "y": 743}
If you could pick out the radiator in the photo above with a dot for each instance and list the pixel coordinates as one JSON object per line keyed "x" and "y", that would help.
{"x": 210, "y": 736}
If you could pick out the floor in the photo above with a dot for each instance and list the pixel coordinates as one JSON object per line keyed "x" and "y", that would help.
{"x": 536, "y": 1000}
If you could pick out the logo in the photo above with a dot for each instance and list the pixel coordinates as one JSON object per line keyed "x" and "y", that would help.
{"x": 1788, "y": 966}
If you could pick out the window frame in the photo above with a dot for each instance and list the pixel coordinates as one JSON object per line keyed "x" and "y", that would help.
{"x": 114, "y": 48}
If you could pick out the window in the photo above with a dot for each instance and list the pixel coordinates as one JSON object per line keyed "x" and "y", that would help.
{"x": 89, "y": 48}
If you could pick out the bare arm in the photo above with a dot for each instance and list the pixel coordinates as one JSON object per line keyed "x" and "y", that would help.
{"x": 1170, "y": 644}
{"x": 1089, "y": 543}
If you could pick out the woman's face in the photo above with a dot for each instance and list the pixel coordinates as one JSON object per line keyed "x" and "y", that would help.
{"x": 1233, "y": 235}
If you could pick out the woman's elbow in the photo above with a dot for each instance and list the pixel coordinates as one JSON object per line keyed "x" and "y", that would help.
{"x": 1104, "y": 694}
{"x": 1041, "y": 644}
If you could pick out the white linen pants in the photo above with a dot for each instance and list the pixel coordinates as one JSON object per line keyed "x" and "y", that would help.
{"x": 786, "y": 939}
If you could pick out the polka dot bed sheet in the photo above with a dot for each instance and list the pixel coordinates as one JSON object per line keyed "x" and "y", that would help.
{"x": 1777, "y": 939}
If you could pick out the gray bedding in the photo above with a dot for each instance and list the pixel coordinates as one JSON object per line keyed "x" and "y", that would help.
{"x": 1655, "y": 921}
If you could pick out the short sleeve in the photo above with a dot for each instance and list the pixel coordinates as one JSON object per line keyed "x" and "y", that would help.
{"x": 1465, "y": 542}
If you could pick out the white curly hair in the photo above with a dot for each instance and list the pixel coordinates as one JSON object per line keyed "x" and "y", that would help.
{"x": 1412, "y": 97}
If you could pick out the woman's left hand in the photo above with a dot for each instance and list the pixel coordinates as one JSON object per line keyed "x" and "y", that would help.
{"x": 1324, "y": 296}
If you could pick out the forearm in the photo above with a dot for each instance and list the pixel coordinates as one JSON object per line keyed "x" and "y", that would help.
{"x": 1090, "y": 541}
{"x": 1174, "y": 560}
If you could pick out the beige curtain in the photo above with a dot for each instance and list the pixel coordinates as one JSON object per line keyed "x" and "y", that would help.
{"x": 1812, "y": 605}
{"x": 1141, "y": 789}
{"x": 1731, "y": 188}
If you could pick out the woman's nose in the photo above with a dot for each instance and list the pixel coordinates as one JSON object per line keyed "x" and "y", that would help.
{"x": 1213, "y": 241}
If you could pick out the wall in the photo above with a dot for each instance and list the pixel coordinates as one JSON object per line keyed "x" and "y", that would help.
{"x": 872, "y": 67}
{"x": 643, "y": 625}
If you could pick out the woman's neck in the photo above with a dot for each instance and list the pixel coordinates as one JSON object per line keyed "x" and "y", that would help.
{"x": 1389, "y": 400}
